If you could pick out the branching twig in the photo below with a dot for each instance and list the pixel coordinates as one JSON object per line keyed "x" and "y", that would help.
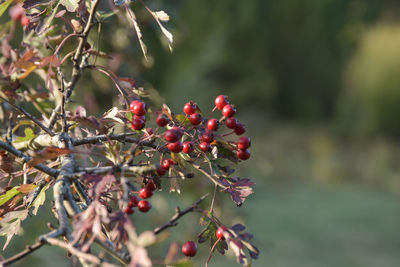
{"x": 22, "y": 254}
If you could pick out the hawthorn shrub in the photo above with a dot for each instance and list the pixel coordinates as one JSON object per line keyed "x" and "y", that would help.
{"x": 103, "y": 171}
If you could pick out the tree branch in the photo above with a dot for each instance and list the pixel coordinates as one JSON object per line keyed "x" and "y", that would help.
{"x": 22, "y": 254}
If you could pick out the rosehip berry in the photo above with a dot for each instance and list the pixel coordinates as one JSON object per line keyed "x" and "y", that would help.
{"x": 220, "y": 232}
{"x": 175, "y": 147}
{"x": 131, "y": 205}
{"x": 231, "y": 122}
{"x": 129, "y": 210}
{"x": 151, "y": 185}
{"x": 228, "y": 111}
{"x": 221, "y": 101}
{"x": 134, "y": 200}
{"x": 145, "y": 193}
{"x": 179, "y": 131}
{"x": 195, "y": 118}
{"x": 144, "y": 206}
{"x": 213, "y": 124}
{"x": 166, "y": 164}
{"x": 244, "y": 142}
{"x": 137, "y": 124}
{"x": 162, "y": 120}
{"x": 149, "y": 131}
{"x": 138, "y": 107}
{"x": 243, "y": 154}
{"x": 171, "y": 136}
{"x": 161, "y": 171}
{"x": 188, "y": 147}
{"x": 189, "y": 249}
{"x": 240, "y": 129}
{"x": 143, "y": 118}
{"x": 205, "y": 146}
{"x": 189, "y": 108}
{"x": 25, "y": 21}
{"x": 207, "y": 137}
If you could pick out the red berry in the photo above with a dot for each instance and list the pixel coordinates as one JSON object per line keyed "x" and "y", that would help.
{"x": 151, "y": 185}
{"x": 166, "y": 164}
{"x": 162, "y": 120}
{"x": 25, "y": 21}
{"x": 171, "y": 136}
{"x": 231, "y": 122}
{"x": 243, "y": 154}
{"x": 161, "y": 171}
{"x": 175, "y": 147}
{"x": 144, "y": 206}
{"x": 244, "y": 142}
{"x": 138, "y": 107}
{"x": 240, "y": 129}
{"x": 207, "y": 137}
{"x": 213, "y": 124}
{"x": 228, "y": 111}
{"x": 205, "y": 146}
{"x": 189, "y": 108}
{"x": 129, "y": 210}
{"x": 221, "y": 101}
{"x": 137, "y": 124}
{"x": 220, "y": 232}
{"x": 189, "y": 249}
{"x": 179, "y": 131}
{"x": 134, "y": 200}
{"x": 171, "y": 162}
{"x": 149, "y": 132}
{"x": 187, "y": 147}
{"x": 195, "y": 118}
{"x": 143, "y": 118}
{"x": 145, "y": 193}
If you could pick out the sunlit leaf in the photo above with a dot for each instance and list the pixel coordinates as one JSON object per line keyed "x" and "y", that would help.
{"x": 8, "y": 195}
{"x": 11, "y": 224}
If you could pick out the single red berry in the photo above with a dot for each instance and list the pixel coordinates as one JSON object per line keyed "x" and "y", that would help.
{"x": 171, "y": 162}
{"x": 220, "y": 232}
{"x": 138, "y": 107}
{"x": 25, "y": 21}
{"x": 137, "y": 124}
{"x": 151, "y": 185}
{"x": 231, "y": 122}
{"x": 228, "y": 111}
{"x": 195, "y": 118}
{"x": 165, "y": 164}
{"x": 207, "y": 137}
{"x": 213, "y": 124}
{"x": 175, "y": 147}
{"x": 244, "y": 142}
{"x": 221, "y": 101}
{"x": 162, "y": 120}
{"x": 144, "y": 206}
{"x": 187, "y": 147}
{"x": 178, "y": 130}
{"x": 161, "y": 171}
{"x": 205, "y": 146}
{"x": 189, "y": 108}
{"x": 171, "y": 136}
{"x": 243, "y": 154}
{"x": 131, "y": 205}
{"x": 145, "y": 193}
{"x": 143, "y": 118}
{"x": 240, "y": 129}
{"x": 129, "y": 210}
{"x": 149, "y": 132}
{"x": 189, "y": 249}
{"x": 134, "y": 200}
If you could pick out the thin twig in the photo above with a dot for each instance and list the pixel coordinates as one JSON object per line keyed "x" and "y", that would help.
{"x": 22, "y": 254}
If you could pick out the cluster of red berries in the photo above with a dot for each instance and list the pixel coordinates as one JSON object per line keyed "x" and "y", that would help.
{"x": 139, "y": 109}
{"x": 144, "y": 193}
{"x": 17, "y": 13}
{"x": 164, "y": 166}
{"x": 189, "y": 248}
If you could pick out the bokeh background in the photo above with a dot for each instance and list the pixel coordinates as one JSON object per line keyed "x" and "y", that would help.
{"x": 318, "y": 84}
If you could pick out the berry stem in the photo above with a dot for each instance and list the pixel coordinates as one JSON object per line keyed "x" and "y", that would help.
{"x": 211, "y": 251}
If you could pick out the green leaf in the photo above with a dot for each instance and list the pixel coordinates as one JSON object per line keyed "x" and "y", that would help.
{"x": 182, "y": 119}
{"x": 4, "y": 6}
{"x": 40, "y": 199}
{"x": 29, "y": 135}
{"x": 70, "y": 5}
{"x": 8, "y": 195}
{"x": 11, "y": 224}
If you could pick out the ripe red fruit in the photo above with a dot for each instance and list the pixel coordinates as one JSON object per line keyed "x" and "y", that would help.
{"x": 213, "y": 124}
{"x": 178, "y": 131}
{"x": 25, "y": 21}
{"x": 134, "y": 200}
{"x": 166, "y": 164}
{"x": 221, "y": 101}
{"x": 175, "y": 147}
{"x": 243, "y": 154}
{"x": 138, "y": 107}
{"x": 231, "y": 122}
{"x": 220, "y": 232}
{"x": 171, "y": 162}
{"x": 244, "y": 142}
{"x": 207, "y": 137}
{"x": 162, "y": 120}
{"x": 205, "y": 146}
{"x": 189, "y": 108}
{"x": 171, "y": 136}
{"x": 151, "y": 185}
{"x": 145, "y": 193}
{"x": 195, "y": 118}
{"x": 240, "y": 129}
{"x": 189, "y": 249}
{"x": 187, "y": 147}
{"x": 143, "y": 118}
{"x": 129, "y": 210}
{"x": 137, "y": 124}
{"x": 161, "y": 171}
{"x": 144, "y": 206}
{"x": 228, "y": 111}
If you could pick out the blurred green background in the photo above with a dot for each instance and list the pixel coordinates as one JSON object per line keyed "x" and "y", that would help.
{"x": 317, "y": 83}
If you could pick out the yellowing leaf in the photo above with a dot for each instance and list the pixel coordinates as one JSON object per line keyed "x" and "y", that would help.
{"x": 4, "y": 6}
{"x": 8, "y": 195}
{"x": 161, "y": 15}
{"x": 26, "y": 188}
